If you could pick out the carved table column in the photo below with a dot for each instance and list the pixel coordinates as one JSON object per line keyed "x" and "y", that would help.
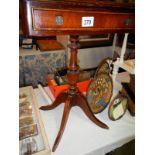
{"x": 72, "y": 96}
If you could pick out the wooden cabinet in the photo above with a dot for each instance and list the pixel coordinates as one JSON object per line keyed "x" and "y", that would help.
{"x": 46, "y": 18}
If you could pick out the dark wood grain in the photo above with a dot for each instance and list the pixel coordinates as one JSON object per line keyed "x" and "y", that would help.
{"x": 39, "y": 17}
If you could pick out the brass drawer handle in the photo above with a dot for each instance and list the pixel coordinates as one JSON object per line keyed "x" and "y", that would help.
{"x": 59, "y": 20}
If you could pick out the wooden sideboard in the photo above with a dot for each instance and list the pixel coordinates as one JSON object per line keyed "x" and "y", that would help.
{"x": 51, "y": 17}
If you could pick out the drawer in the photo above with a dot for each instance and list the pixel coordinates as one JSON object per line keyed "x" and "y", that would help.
{"x": 55, "y": 19}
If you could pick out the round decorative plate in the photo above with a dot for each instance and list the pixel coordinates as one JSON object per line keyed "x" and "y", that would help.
{"x": 118, "y": 107}
{"x": 99, "y": 93}
{"x": 103, "y": 68}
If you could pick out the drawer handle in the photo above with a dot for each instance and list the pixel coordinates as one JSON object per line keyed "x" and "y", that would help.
{"x": 59, "y": 20}
{"x": 127, "y": 22}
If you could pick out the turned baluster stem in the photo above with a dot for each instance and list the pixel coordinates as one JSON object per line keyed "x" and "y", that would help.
{"x": 73, "y": 69}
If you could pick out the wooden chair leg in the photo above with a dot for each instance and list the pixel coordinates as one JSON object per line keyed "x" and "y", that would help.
{"x": 61, "y": 98}
{"x": 83, "y": 104}
{"x": 67, "y": 107}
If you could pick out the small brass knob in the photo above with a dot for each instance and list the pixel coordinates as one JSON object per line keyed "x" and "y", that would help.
{"x": 59, "y": 20}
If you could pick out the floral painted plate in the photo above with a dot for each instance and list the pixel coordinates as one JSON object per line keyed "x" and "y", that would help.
{"x": 103, "y": 68}
{"x": 99, "y": 93}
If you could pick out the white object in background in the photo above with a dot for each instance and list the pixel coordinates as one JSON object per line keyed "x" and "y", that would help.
{"x": 114, "y": 43}
{"x": 128, "y": 65}
{"x": 119, "y": 63}
{"x": 123, "y": 77}
{"x": 49, "y": 101}
{"x": 117, "y": 86}
{"x": 115, "y": 70}
{"x": 87, "y": 21}
{"x": 123, "y": 48}
{"x": 91, "y": 57}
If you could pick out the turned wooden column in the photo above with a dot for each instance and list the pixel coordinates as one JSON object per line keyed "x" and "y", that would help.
{"x": 73, "y": 69}
{"x": 72, "y": 97}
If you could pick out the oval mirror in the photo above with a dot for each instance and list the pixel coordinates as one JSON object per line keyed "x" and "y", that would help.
{"x": 118, "y": 107}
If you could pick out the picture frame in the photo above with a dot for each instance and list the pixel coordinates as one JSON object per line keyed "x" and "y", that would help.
{"x": 118, "y": 107}
{"x": 41, "y": 137}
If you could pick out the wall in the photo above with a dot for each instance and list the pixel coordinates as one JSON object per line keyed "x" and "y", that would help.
{"x": 89, "y": 57}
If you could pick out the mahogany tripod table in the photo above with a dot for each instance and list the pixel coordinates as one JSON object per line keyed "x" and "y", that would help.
{"x": 72, "y": 97}
{"x": 44, "y": 18}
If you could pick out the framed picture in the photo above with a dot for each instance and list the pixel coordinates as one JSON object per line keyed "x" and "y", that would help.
{"x": 118, "y": 107}
{"x": 32, "y": 136}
